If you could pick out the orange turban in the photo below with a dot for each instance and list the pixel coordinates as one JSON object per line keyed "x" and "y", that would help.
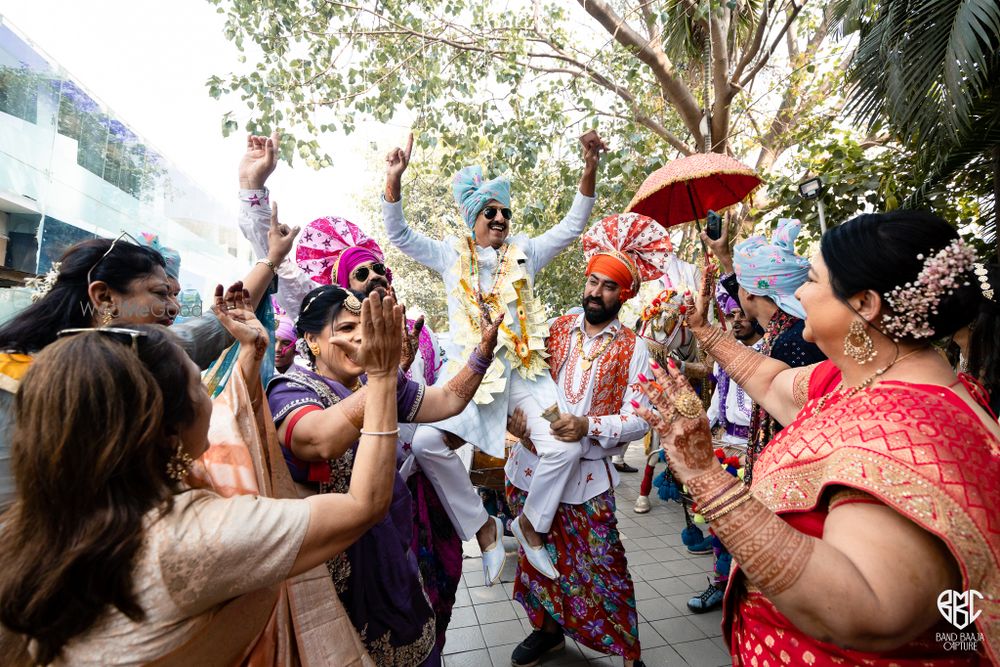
{"x": 615, "y": 268}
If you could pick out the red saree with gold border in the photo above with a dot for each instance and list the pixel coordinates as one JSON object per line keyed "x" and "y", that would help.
{"x": 918, "y": 449}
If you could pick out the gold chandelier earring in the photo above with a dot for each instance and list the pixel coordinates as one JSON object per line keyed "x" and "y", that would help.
{"x": 179, "y": 464}
{"x": 107, "y": 317}
{"x": 858, "y": 344}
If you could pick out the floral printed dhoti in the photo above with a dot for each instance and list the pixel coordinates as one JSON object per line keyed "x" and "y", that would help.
{"x": 593, "y": 599}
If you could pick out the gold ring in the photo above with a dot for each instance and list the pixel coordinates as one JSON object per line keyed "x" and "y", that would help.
{"x": 688, "y": 405}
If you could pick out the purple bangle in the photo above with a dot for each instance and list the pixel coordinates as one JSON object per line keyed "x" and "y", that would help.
{"x": 477, "y": 363}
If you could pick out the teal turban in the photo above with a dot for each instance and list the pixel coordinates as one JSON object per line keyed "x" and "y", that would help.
{"x": 472, "y": 192}
{"x": 773, "y": 269}
{"x": 170, "y": 256}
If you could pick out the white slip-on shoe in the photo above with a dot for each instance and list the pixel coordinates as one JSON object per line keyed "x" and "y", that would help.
{"x": 537, "y": 556}
{"x": 641, "y": 505}
{"x": 494, "y": 556}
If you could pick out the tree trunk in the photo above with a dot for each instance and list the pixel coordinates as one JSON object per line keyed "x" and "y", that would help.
{"x": 996, "y": 202}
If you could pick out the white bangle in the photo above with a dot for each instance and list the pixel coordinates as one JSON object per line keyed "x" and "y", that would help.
{"x": 270, "y": 265}
{"x": 396, "y": 432}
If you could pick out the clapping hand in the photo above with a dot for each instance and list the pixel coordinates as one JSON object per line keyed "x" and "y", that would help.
{"x": 696, "y": 311}
{"x": 381, "y": 336}
{"x": 489, "y": 328}
{"x": 411, "y": 342}
{"x": 680, "y": 422}
{"x": 236, "y": 315}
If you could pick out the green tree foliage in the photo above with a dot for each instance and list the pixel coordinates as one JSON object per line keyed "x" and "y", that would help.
{"x": 511, "y": 85}
{"x": 929, "y": 70}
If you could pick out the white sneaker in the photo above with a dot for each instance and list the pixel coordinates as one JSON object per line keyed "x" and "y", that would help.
{"x": 537, "y": 556}
{"x": 494, "y": 556}
{"x": 641, "y": 505}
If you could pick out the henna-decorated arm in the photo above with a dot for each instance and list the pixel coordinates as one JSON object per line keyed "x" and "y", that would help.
{"x": 879, "y": 573}
{"x": 869, "y": 583}
{"x": 768, "y": 382}
{"x": 447, "y": 401}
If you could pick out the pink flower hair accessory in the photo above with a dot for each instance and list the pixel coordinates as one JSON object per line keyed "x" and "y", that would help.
{"x": 914, "y": 303}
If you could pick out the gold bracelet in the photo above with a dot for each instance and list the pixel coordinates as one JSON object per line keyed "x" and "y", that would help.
{"x": 364, "y": 432}
{"x": 716, "y": 517}
{"x": 714, "y": 511}
{"x": 734, "y": 490}
{"x": 270, "y": 265}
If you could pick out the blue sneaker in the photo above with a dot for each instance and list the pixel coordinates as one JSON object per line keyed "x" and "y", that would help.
{"x": 707, "y": 601}
{"x": 701, "y": 548}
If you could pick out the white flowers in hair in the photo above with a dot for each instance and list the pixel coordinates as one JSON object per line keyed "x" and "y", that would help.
{"x": 914, "y": 303}
{"x": 42, "y": 285}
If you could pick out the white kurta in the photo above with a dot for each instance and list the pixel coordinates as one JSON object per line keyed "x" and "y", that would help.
{"x": 607, "y": 433}
{"x": 738, "y": 408}
{"x": 485, "y": 425}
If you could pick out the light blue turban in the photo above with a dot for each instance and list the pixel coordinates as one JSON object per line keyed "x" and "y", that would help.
{"x": 472, "y": 192}
{"x": 773, "y": 269}
{"x": 170, "y": 256}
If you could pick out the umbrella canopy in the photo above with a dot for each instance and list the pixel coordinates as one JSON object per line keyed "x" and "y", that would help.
{"x": 687, "y": 188}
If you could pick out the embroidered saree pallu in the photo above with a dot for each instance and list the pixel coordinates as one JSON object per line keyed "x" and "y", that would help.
{"x": 919, "y": 449}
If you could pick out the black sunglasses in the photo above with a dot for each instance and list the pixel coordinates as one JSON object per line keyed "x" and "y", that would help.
{"x": 128, "y": 337}
{"x": 361, "y": 274}
{"x": 491, "y": 212}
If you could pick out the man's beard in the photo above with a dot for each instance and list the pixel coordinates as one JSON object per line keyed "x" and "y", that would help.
{"x": 375, "y": 283}
{"x": 744, "y": 336}
{"x": 601, "y": 313}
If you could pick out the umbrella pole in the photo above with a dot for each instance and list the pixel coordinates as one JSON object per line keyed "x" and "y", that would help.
{"x": 697, "y": 221}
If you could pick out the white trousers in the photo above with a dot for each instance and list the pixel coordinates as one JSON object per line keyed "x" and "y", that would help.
{"x": 620, "y": 458}
{"x": 558, "y": 462}
{"x": 446, "y": 472}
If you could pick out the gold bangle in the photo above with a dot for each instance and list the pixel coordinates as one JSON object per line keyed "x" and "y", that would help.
{"x": 716, "y": 517}
{"x": 722, "y": 506}
{"x": 270, "y": 265}
{"x": 734, "y": 490}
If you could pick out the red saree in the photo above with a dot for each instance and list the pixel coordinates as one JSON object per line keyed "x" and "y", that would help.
{"x": 920, "y": 450}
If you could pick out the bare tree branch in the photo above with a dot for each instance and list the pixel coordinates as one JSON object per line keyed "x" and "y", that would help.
{"x": 675, "y": 91}
{"x": 758, "y": 39}
{"x": 774, "y": 45}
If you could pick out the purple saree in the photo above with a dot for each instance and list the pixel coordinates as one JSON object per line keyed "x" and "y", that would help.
{"x": 377, "y": 577}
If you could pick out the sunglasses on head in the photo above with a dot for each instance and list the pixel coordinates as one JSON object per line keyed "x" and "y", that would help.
{"x": 128, "y": 337}
{"x": 361, "y": 274}
{"x": 123, "y": 235}
{"x": 491, "y": 212}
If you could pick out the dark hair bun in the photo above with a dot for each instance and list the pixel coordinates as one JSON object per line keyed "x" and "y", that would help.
{"x": 879, "y": 252}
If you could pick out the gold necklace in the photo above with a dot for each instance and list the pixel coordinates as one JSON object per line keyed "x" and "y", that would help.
{"x": 864, "y": 385}
{"x": 585, "y": 361}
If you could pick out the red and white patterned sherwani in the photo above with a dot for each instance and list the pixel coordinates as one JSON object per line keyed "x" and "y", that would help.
{"x": 593, "y": 599}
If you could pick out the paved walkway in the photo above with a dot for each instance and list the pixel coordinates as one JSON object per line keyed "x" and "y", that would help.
{"x": 487, "y": 624}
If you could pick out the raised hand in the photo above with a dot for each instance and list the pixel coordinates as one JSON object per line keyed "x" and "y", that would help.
{"x": 680, "y": 421}
{"x": 696, "y": 311}
{"x": 720, "y": 246}
{"x": 381, "y": 336}
{"x": 488, "y": 329}
{"x": 236, "y": 315}
{"x": 411, "y": 342}
{"x": 259, "y": 160}
{"x": 280, "y": 238}
{"x": 592, "y": 151}
{"x": 396, "y": 163}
